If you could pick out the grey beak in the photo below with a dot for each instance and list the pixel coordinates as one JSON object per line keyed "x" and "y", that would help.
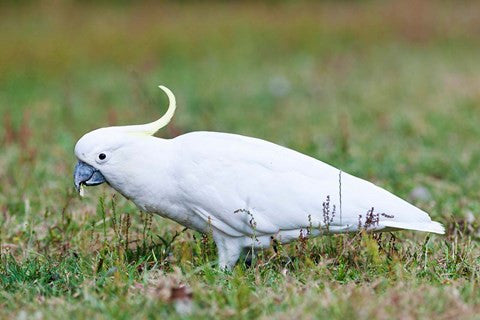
{"x": 87, "y": 175}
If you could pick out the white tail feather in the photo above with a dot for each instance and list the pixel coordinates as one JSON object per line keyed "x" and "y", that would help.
{"x": 431, "y": 226}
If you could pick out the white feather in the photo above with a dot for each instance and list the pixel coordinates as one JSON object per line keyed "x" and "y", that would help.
{"x": 280, "y": 189}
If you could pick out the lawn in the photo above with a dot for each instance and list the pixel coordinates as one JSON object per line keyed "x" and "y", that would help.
{"x": 388, "y": 91}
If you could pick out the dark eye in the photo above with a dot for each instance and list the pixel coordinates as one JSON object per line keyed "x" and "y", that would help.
{"x": 102, "y": 156}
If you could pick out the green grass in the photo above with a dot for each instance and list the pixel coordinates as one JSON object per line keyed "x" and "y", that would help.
{"x": 387, "y": 91}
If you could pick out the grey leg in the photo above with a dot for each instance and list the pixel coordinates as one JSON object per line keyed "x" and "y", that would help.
{"x": 228, "y": 248}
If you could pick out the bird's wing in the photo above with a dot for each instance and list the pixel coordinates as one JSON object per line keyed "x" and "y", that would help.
{"x": 248, "y": 186}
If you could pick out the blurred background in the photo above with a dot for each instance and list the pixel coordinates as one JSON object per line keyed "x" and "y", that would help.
{"x": 387, "y": 90}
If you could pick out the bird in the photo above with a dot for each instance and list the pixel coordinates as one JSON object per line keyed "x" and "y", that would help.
{"x": 247, "y": 192}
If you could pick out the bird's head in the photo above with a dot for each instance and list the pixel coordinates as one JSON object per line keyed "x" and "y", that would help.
{"x": 103, "y": 152}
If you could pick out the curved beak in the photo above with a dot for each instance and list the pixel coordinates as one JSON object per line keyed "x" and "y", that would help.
{"x": 86, "y": 175}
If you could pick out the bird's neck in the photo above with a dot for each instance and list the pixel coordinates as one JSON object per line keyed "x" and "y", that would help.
{"x": 146, "y": 176}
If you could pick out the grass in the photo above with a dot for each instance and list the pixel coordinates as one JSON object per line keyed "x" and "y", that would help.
{"x": 387, "y": 91}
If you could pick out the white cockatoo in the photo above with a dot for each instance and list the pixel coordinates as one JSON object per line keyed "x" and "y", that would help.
{"x": 247, "y": 192}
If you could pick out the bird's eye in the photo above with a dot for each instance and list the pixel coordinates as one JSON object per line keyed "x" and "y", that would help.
{"x": 102, "y": 157}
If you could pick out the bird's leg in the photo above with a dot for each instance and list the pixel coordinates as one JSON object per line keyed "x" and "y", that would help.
{"x": 228, "y": 248}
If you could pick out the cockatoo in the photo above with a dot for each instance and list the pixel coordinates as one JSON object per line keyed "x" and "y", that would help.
{"x": 247, "y": 192}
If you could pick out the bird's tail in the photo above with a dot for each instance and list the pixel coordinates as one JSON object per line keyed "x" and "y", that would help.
{"x": 431, "y": 226}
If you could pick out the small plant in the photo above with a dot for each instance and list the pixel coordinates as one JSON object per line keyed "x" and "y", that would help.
{"x": 328, "y": 214}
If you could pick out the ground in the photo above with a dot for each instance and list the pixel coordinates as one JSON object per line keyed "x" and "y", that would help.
{"x": 388, "y": 91}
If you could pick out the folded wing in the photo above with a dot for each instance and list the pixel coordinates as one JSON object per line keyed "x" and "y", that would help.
{"x": 245, "y": 186}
